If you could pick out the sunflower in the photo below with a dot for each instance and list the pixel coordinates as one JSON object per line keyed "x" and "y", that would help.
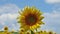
{"x": 22, "y": 30}
{"x": 50, "y": 32}
{"x": 28, "y": 33}
{"x": 30, "y": 18}
{"x": 5, "y": 28}
{"x": 12, "y": 31}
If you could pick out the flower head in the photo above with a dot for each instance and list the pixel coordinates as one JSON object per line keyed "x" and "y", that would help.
{"x": 6, "y": 28}
{"x": 28, "y": 33}
{"x": 30, "y": 18}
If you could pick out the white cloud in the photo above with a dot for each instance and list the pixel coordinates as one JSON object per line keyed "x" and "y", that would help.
{"x": 52, "y": 1}
{"x": 52, "y": 21}
{"x": 5, "y": 17}
{"x": 9, "y": 8}
{"x": 8, "y": 20}
{"x": 8, "y": 15}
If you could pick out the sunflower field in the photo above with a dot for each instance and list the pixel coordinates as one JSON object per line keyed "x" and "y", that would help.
{"x": 30, "y": 19}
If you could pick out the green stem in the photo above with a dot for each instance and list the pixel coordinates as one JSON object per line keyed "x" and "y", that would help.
{"x": 32, "y": 32}
{"x": 36, "y": 30}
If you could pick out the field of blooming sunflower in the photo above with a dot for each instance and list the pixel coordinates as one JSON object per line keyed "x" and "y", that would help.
{"x": 31, "y": 18}
{"x": 41, "y": 32}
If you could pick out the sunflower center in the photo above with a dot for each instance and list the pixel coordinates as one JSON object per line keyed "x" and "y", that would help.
{"x": 31, "y": 19}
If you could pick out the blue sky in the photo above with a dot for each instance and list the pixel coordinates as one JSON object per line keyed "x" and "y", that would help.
{"x": 50, "y": 8}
